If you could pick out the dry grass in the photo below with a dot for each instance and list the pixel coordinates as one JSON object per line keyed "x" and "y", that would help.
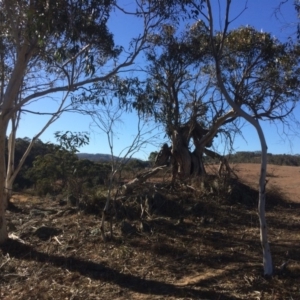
{"x": 190, "y": 245}
{"x": 283, "y": 178}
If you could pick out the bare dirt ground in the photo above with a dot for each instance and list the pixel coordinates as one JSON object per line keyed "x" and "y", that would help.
{"x": 189, "y": 244}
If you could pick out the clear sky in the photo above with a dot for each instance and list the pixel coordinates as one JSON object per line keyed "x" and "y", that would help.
{"x": 260, "y": 14}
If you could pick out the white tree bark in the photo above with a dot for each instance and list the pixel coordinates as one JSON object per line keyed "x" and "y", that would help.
{"x": 10, "y": 162}
{"x": 3, "y": 228}
{"x": 7, "y": 112}
{"x": 267, "y": 258}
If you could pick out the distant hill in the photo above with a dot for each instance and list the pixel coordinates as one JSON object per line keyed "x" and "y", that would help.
{"x": 255, "y": 157}
{"x": 238, "y": 157}
{"x": 95, "y": 157}
{"x": 98, "y": 157}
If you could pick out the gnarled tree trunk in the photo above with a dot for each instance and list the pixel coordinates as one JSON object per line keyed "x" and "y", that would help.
{"x": 181, "y": 155}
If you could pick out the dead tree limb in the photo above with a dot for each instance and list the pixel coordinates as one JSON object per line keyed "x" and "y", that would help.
{"x": 223, "y": 162}
{"x": 140, "y": 178}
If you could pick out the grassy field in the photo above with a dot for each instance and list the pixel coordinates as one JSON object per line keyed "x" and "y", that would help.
{"x": 283, "y": 178}
{"x": 200, "y": 243}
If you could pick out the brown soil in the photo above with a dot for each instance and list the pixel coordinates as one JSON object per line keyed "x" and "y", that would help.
{"x": 284, "y": 178}
{"x": 190, "y": 244}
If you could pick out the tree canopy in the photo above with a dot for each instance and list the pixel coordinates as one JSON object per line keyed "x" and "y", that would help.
{"x": 54, "y": 48}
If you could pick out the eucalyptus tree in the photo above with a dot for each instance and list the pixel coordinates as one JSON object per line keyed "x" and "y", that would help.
{"x": 249, "y": 75}
{"x": 183, "y": 98}
{"x": 259, "y": 77}
{"x": 55, "y": 48}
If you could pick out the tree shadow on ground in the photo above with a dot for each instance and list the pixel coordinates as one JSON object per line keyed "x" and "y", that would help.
{"x": 99, "y": 271}
{"x": 196, "y": 247}
{"x": 246, "y": 195}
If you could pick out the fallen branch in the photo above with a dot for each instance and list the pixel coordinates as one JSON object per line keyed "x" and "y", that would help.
{"x": 57, "y": 240}
{"x": 7, "y": 260}
{"x": 223, "y": 162}
{"x": 140, "y": 178}
{"x": 16, "y": 238}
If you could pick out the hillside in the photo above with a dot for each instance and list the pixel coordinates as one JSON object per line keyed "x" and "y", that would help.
{"x": 98, "y": 157}
{"x": 238, "y": 157}
{"x": 189, "y": 245}
{"x": 95, "y": 157}
{"x": 255, "y": 157}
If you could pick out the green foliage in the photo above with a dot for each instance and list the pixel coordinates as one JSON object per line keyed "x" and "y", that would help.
{"x": 66, "y": 24}
{"x": 39, "y": 148}
{"x": 71, "y": 141}
{"x": 54, "y": 167}
{"x": 173, "y": 90}
{"x": 44, "y": 186}
{"x": 94, "y": 173}
{"x": 54, "y": 170}
{"x": 56, "y": 33}
{"x": 136, "y": 164}
{"x": 268, "y": 73}
{"x": 152, "y": 156}
{"x": 260, "y": 73}
{"x": 126, "y": 90}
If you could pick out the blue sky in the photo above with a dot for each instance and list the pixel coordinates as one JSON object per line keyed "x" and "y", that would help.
{"x": 260, "y": 14}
